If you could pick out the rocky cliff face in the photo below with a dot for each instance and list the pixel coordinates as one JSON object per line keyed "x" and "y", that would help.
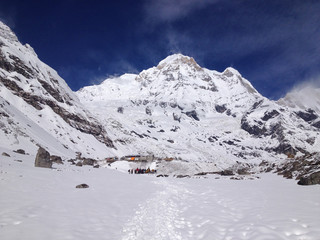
{"x": 32, "y": 87}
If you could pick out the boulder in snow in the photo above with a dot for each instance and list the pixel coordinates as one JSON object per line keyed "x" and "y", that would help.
{"x": 311, "y": 179}
{"x": 21, "y": 151}
{"x": 83, "y": 185}
{"x": 43, "y": 159}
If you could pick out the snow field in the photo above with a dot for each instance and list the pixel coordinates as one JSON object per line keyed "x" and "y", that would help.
{"x": 39, "y": 203}
{"x": 270, "y": 208}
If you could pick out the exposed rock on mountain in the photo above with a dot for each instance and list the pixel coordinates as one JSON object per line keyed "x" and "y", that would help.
{"x": 313, "y": 178}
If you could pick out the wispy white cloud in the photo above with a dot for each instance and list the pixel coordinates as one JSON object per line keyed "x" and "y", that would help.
{"x": 170, "y": 10}
{"x": 309, "y": 83}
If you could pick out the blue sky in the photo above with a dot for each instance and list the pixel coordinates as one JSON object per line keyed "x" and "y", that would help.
{"x": 274, "y": 44}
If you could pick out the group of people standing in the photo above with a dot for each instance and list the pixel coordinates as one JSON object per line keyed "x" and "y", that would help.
{"x": 141, "y": 171}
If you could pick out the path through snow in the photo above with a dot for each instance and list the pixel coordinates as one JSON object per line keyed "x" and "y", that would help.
{"x": 160, "y": 216}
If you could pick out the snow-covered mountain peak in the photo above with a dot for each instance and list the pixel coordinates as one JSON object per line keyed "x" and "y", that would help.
{"x": 174, "y": 72}
{"x": 177, "y": 79}
{"x": 6, "y": 32}
{"x": 230, "y": 72}
{"x": 9, "y": 39}
{"x": 178, "y": 60}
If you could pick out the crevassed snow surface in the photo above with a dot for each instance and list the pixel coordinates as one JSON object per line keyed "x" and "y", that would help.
{"x": 38, "y": 203}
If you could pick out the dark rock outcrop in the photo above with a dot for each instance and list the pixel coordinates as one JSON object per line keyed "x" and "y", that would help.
{"x": 89, "y": 161}
{"x": 316, "y": 124}
{"x": 120, "y": 110}
{"x": 83, "y": 185}
{"x": 139, "y": 135}
{"x": 182, "y": 176}
{"x": 299, "y": 167}
{"x": 226, "y": 172}
{"x": 176, "y": 117}
{"x": 193, "y": 114}
{"x": 5, "y": 154}
{"x": 285, "y": 148}
{"x": 43, "y": 159}
{"x": 308, "y": 116}
{"x": 148, "y": 111}
{"x": 252, "y": 129}
{"x": 269, "y": 115}
{"x": 56, "y": 159}
{"x": 212, "y": 138}
{"x": 243, "y": 171}
{"x": 15, "y": 65}
{"x": 72, "y": 161}
{"x": 220, "y": 108}
{"x": 82, "y": 124}
{"x": 79, "y": 164}
{"x": 20, "y": 151}
{"x": 313, "y": 178}
{"x": 52, "y": 91}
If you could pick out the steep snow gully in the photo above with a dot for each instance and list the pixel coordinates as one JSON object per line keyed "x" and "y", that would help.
{"x": 181, "y": 209}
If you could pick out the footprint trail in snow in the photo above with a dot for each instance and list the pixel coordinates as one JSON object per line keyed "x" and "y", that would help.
{"x": 160, "y": 216}
{"x": 223, "y": 210}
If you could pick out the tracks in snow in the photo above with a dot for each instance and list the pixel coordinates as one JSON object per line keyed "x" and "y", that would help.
{"x": 224, "y": 210}
{"x": 160, "y": 216}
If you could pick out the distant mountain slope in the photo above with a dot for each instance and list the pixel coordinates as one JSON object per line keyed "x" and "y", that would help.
{"x": 38, "y": 107}
{"x": 180, "y": 110}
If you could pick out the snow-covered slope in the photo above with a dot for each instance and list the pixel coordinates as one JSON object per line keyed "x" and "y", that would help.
{"x": 127, "y": 206}
{"x": 180, "y": 110}
{"x": 38, "y": 107}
